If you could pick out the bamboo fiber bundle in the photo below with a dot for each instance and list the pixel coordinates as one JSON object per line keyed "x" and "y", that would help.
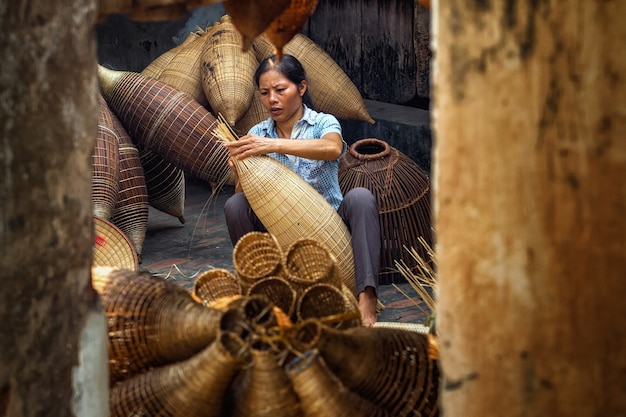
{"x": 165, "y": 184}
{"x": 168, "y": 122}
{"x": 256, "y": 255}
{"x": 289, "y": 23}
{"x": 252, "y": 17}
{"x": 329, "y": 87}
{"x": 278, "y": 290}
{"x": 112, "y": 247}
{"x": 263, "y": 389}
{"x": 181, "y": 67}
{"x": 328, "y": 304}
{"x": 105, "y": 181}
{"x": 215, "y": 284}
{"x": 402, "y": 191}
{"x": 132, "y": 207}
{"x": 256, "y": 113}
{"x": 291, "y": 209}
{"x": 322, "y": 394}
{"x": 227, "y": 71}
{"x": 151, "y": 321}
{"x": 308, "y": 262}
{"x": 394, "y": 369}
{"x": 193, "y": 387}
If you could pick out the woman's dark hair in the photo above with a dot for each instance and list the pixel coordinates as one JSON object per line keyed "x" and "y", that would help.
{"x": 289, "y": 67}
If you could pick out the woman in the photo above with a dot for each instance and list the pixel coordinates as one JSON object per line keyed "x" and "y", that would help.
{"x": 311, "y": 144}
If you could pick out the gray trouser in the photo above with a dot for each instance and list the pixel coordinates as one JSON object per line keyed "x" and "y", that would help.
{"x": 358, "y": 211}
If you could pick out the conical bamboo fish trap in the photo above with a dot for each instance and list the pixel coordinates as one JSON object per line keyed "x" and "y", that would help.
{"x": 249, "y": 317}
{"x": 252, "y": 17}
{"x": 394, "y": 370}
{"x": 194, "y": 387}
{"x": 289, "y": 23}
{"x": 165, "y": 183}
{"x": 278, "y": 290}
{"x": 132, "y": 207}
{"x": 328, "y": 304}
{"x": 256, "y": 113}
{"x": 105, "y": 181}
{"x": 215, "y": 284}
{"x": 263, "y": 389}
{"x": 256, "y": 255}
{"x": 291, "y": 209}
{"x": 227, "y": 71}
{"x": 329, "y": 87}
{"x": 151, "y": 321}
{"x": 112, "y": 248}
{"x": 402, "y": 191}
{"x": 308, "y": 262}
{"x": 168, "y": 122}
{"x": 181, "y": 67}
{"x": 322, "y": 394}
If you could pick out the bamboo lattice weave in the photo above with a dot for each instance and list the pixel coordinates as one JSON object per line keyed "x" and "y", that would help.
{"x": 112, "y": 247}
{"x": 165, "y": 183}
{"x": 105, "y": 163}
{"x": 168, "y": 122}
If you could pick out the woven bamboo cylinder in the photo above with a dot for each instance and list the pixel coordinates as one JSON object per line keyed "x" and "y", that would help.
{"x": 194, "y": 387}
{"x": 215, "y": 284}
{"x": 263, "y": 389}
{"x": 112, "y": 247}
{"x": 132, "y": 207}
{"x": 289, "y": 23}
{"x": 252, "y": 17}
{"x": 308, "y": 262}
{"x": 394, "y": 369}
{"x": 291, "y": 209}
{"x": 227, "y": 71}
{"x": 322, "y": 394}
{"x": 402, "y": 191}
{"x": 329, "y": 304}
{"x": 168, "y": 122}
{"x": 151, "y": 321}
{"x": 278, "y": 290}
{"x": 256, "y": 255}
{"x": 256, "y": 113}
{"x": 329, "y": 87}
{"x": 248, "y": 317}
{"x": 105, "y": 181}
{"x": 165, "y": 183}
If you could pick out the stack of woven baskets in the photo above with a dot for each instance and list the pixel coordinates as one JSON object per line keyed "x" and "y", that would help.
{"x": 157, "y": 125}
{"x": 251, "y": 343}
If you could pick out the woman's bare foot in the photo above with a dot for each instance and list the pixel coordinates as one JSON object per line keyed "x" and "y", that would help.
{"x": 367, "y": 306}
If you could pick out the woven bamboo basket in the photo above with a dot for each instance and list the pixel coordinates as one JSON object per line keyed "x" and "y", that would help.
{"x": 330, "y": 88}
{"x": 329, "y": 304}
{"x": 289, "y": 23}
{"x": 263, "y": 389}
{"x": 215, "y": 284}
{"x": 321, "y": 394}
{"x": 151, "y": 322}
{"x": 112, "y": 247}
{"x": 227, "y": 71}
{"x": 308, "y": 262}
{"x": 132, "y": 207}
{"x": 255, "y": 256}
{"x": 105, "y": 181}
{"x": 249, "y": 318}
{"x": 278, "y": 290}
{"x": 402, "y": 191}
{"x": 194, "y": 387}
{"x": 168, "y": 122}
{"x": 256, "y": 113}
{"x": 394, "y": 370}
{"x": 252, "y": 17}
{"x": 165, "y": 183}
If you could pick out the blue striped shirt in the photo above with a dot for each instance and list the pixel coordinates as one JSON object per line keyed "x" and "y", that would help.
{"x": 321, "y": 175}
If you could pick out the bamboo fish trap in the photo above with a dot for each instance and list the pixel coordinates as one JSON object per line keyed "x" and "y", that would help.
{"x": 105, "y": 181}
{"x": 165, "y": 183}
{"x": 227, "y": 71}
{"x": 402, "y": 191}
{"x": 291, "y": 209}
{"x": 151, "y": 322}
{"x": 329, "y": 87}
{"x": 168, "y": 122}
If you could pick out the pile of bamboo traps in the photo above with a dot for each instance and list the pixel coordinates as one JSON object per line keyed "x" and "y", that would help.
{"x": 234, "y": 352}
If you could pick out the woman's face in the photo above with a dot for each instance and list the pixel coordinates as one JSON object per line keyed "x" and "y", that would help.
{"x": 281, "y": 97}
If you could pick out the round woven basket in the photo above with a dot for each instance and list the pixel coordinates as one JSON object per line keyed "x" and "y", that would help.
{"x": 329, "y": 304}
{"x": 402, "y": 192}
{"x": 112, "y": 247}
{"x": 256, "y": 255}
{"x": 215, "y": 284}
{"x": 278, "y": 290}
{"x": 307, "y": 262}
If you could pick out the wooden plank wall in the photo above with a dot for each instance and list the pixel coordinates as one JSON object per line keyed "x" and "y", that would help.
{"x": 383, "y": 45}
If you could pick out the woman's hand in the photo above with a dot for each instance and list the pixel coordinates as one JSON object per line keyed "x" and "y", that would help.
{"x": 249, "y": 145}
